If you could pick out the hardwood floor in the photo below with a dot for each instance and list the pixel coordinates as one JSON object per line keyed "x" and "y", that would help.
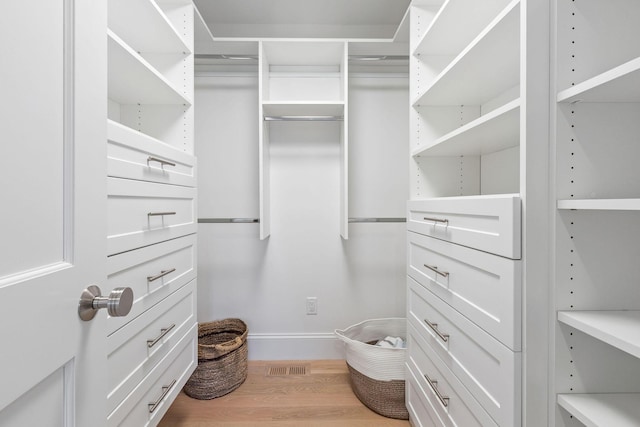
{"x": 320, "y": 398}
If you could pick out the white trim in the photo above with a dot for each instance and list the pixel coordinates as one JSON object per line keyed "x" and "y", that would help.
{"x": 312, "y": 346}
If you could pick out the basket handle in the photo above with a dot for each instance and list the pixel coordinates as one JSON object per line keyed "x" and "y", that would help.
{"x": 230, "y": 345}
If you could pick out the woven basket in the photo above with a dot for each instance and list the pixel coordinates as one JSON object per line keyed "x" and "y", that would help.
{"x": 222, "y": 359}
{"x": 376, "y": 373}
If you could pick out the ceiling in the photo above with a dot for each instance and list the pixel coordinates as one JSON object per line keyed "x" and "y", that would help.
{"x": 346, "y": 19}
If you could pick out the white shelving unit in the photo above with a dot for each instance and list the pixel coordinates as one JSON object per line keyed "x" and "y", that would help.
{"x": 596, "y": 349}
{"x": 302, "y": 80}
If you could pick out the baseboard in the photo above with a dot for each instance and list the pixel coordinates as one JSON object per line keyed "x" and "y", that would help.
{"x": 294, "y": 346}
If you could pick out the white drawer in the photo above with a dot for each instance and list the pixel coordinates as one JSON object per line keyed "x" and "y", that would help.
{"x": 140, "y": 269}
{"x": 488, "y": 369}
{"x": 462, "y": 409}
{"x": 135, "y": 349}
{"x": 421, "y": 412}
{"x": 143, "y": 213}
{"x": 487, "y": 223}
{"x": 134, "y": 155}
{"x": 162, "y": 385}
{"x": 484, "y": 287}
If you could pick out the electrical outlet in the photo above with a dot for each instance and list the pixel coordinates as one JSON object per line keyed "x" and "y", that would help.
{"x": 312, "y": 305}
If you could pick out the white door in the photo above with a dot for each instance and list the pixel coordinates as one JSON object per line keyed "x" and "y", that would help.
{"x": 52, "y": 211}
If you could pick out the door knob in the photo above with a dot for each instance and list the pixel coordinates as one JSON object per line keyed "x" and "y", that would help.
{"x": 118, "y": 303}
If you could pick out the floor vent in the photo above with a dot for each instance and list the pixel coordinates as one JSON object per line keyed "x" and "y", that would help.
{"x": 284, "y": 370}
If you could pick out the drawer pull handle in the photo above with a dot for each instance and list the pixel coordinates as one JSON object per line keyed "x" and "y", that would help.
{"x": 163, "y": 332}
{"x": 434, "y": 326}
{"x": 160, "y": 213}
{"x": 165, "y": 391}
{"x": 434, "y": 386}
{"x": 158, "y": 276}
{"x": 435, "y": 270}
{"x": 440, "y": 220}
{"x": 161, "y": 161}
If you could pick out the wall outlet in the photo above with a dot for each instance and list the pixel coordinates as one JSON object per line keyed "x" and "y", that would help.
{"x": 312, "y": 305}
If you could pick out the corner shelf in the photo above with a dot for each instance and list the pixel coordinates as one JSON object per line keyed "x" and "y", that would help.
{"x": 596, "y": 410}
{"x": 619, "y": 84}
{"x": 495, "y": 131}
{"x": 488, "y": 66}
{"x": 133, "y": 80}
{"x": 616, "y": 328}
{"x": 600, "y": 204}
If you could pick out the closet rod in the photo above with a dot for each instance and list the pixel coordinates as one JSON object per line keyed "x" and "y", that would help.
{"x": 242, "y": 57}
{"x": 228, "y": 220}
{"x": 303, "y": 118}
{"x": 377, "y": 220}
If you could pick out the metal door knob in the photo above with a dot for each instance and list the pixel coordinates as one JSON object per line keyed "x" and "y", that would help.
{"x": 118, "y": 303}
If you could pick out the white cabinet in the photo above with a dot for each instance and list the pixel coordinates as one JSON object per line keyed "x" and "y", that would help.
{"x": 597, "y": 191}
{"x": 479, "y": 208}
{"x": 151, "y": 206}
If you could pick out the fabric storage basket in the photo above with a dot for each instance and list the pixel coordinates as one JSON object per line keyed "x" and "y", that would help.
{"x": 377, "y": 373}
{"x": 222, "y": 359}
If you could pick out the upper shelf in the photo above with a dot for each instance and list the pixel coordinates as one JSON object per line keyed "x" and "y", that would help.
{"x": 611, "y": 409}
{"x": 616, "y": 328}
{"x": 132, "y": 80}
{"x": 495, "y": 131}
{"x": 456, "y": 24}
{"x": 144, "y": 27}
{"x": 488, "y": 67}
{"x": 601, "y": 204}
{"x": 620, "y": 84}
{"x": 303, "y": 108}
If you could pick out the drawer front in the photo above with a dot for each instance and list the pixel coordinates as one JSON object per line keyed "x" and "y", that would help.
{"x": 461, "y": 408}
{"x": 488, "y": 369}
{"x": 487, "y": 223}
{"x": 484, "y": 287}
{"x": 148, "y": 272}
{"x": 161, "y": 386}
{"x": 143, "y": 213}
{"x": 134, "y": 155}
{"x": 137, "y": 348}
{"x": 421, "y": 413}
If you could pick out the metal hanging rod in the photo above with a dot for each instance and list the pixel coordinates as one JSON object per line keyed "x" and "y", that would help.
{"x": 377, "y": 220}
{"x": 303, "y": 118}
{"x": 242, "y": 57}
{"x": 228, "y": 220}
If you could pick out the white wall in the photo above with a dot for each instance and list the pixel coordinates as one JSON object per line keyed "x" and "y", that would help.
{"x": 266, "y": 283}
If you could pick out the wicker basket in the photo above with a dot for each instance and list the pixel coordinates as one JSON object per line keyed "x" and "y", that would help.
{"x": 222, "y": 359}
{"x": 376, "y": 373}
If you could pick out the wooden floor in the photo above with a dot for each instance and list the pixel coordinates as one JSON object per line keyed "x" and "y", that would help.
{"x": 321, "y": 398}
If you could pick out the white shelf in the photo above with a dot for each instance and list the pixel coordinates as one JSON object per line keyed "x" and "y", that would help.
{"x": 486, "y": 68}
{"x": 495, "y": 131}
{"x": 303, "y": 108}
{"x": 601, "y": 204}
{"x": 456, "y": 24}
{"x": 132, "y": 80}
{"x": 599, "y": 410}
{"x": 620, "y": 84}
{"x": 304, "y": 53}
{"x": 619, "y": 329}
{"x": 144, "y": 27}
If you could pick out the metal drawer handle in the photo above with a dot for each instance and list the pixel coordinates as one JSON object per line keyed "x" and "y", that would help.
{"x": 160, "y": 213}
{"x": 434, "y": 326}
{"x": 165, "y": 391}
{"x": 443, "y": 221}
{"x": 162, "y": 274}
{"x": 434, "y": 386}
{"x": 161, "y": 161}
{"x": 163, "y": 332}
{"x": 435, "y": 270}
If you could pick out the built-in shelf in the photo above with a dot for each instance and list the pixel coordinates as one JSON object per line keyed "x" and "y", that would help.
{"x": 303, "y": 108}
{"x": 132, "y": 80}
{"x": 487, "y": 67}
{"x": 492, "y": 132}
{"x": 620, "y": 84}
{"x": 143, "y": 26}
{"x": 456, "y": 24}
{"x": 600, "y": 204}
{"x": 619, "y": 329}
{"x": 599, "y": 410}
